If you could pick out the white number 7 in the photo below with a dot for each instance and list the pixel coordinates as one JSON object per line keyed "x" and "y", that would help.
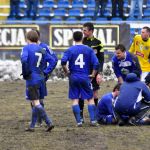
{"x": 39, "y": 59}
{"x": 79, "y": 61}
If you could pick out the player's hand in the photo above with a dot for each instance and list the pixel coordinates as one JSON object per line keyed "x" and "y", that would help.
{"x": 46, "y": 76}
{"x": 26, "y": 76}
{"x": 99, "y": 78}
{"x": 67, "y": 73}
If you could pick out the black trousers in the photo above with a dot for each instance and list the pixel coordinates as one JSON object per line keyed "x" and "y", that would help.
{"x": 116, "y": 3}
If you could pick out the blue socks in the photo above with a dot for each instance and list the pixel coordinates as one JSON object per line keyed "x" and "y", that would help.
{"x": 34, "y": 117}
{"x": 76, "y": 112}
{"x": 43, "y": 115}
{"x": 91, "y": 110}
{"x": 39, "y": 111}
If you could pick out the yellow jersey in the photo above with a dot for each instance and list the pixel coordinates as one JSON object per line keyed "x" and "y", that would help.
{"x": 142, "y": 50}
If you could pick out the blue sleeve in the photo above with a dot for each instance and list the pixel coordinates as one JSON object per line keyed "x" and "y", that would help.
{"x": 146, "y": 93}
{"x": 51, "y": 64}
{"x": 49, "y": 51}
{"x": 24, "y": 55}
{"x": 94, "y": 61}
{"x": 65, "y": 58}
{"x": 116, "y": 68}
{"x": 25, "y": 66}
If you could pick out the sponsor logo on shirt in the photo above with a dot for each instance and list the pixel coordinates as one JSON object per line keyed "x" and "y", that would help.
{"x": 139, "y": 54}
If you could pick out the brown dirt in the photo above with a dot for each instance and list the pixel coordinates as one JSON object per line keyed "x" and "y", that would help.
{"x": 15, "y": 116}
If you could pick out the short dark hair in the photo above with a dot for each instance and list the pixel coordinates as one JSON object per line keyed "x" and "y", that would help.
{"x": 147, "y": 28}
{"x": 77, "y": 36}
{"x": 89, "y": 25}
{"x": 121, "y": 47}
{"x": 32, "y": 36}
{"x": 117, "y": 87}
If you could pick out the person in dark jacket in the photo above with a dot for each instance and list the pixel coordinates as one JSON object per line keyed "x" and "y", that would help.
{"x": 32, "y": 6}
{"x": 100, "y": 5}
{"x": 14, "y": 9}
{"x": 117, "y": 4}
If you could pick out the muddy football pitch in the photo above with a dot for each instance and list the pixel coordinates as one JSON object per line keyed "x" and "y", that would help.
{"x": 15, "y": 114}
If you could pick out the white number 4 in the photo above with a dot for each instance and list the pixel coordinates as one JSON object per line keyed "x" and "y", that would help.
{"x": 79, "y": 61}
{"x": 39, "y": 59}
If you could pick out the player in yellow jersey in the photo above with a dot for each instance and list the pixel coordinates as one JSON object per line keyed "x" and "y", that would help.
{"x": 141, "y": 48}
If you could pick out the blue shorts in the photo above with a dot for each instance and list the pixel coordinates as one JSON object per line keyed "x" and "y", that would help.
{"x": 36, "y": 91}
{"x": 80, "y": 87}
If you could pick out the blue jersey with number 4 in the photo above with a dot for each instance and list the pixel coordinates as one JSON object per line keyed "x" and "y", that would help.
{"x": 81, "y": 59}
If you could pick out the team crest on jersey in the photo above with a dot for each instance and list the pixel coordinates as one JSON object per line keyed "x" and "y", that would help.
{"x": 141, "y": 47}
{"x": 125, "y": 64}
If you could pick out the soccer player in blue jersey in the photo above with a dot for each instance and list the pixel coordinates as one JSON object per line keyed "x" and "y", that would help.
{"x": 124, "y": 63}
{"x": 97, "y": 46}
{"x": 50, "y": 52}
{"x": 81, "y": 60}
{"x": 32, "y": 58}
{"x": 105, "y": 112}
{"x": 133, "y": 101}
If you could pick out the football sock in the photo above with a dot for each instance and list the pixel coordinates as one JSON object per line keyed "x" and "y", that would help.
{"x": 81, "y": 105}
{"x": 39, "y": 120}
{"x": 96, "y": 101}
{"x": 91, "y": 110}
{"x": 43, "y": 115}
{"x": 76, "y": 112}
{"x": 34, "y": 117}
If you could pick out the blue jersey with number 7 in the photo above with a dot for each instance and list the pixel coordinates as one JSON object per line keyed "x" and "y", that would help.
{"x": 35, "y": 57}
{"x": 81, "y": 58}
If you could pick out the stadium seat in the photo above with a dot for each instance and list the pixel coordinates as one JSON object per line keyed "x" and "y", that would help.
{"x": 26, "y": 19}
{"x": 88, "y": 12}
{"x": 78, "y": 4}
{"x": 72, "y": 20}
{"x": 49, "y": 4}
{"x": 44, "y": 12}
{"x": 109, "y": 4}
{"x": 116, "y": 19}
{"x": 64, "y": 4}
{"x": 107, "y": 13}
{"x": 22, "y": 4}
{"x": 102, "y": 19}
{"x": 126, "y": 3}
{"x": 60, "y": 12}
{"x": 56, "y": 20}
{"x": 146, "y": 12}
{"x": 91, "y": 3}
{"x": 148, "y": 4}
{"x": 86, "y": 19}
{"x": 131, "y": 19}
{"x": 75, "y": 12}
